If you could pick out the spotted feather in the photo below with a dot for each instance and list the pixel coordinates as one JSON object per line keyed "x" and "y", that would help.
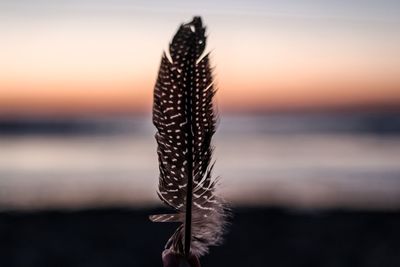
{"x": 184, "y": 116}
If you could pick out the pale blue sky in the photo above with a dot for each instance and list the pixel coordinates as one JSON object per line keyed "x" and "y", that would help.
{"x": 386, "y": 10}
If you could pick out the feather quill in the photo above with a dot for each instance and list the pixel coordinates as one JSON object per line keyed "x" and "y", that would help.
{"x": 185, "y": 119}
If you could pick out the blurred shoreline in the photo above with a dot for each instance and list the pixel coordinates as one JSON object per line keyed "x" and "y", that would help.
{"x": 367, "y": 122}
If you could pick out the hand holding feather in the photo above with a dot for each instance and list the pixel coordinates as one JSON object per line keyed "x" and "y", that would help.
{"x": 171, "y": 259}
{"x": 184, "y": 116}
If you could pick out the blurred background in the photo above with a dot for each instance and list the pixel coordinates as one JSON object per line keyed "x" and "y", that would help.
{"x": 308, "y": 144}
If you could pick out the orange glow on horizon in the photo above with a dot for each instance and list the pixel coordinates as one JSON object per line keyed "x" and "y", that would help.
{"x": 75, "y": 99}
{"x": 79, "y": 98}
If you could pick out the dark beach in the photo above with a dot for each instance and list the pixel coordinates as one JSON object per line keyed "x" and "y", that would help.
{"x": 257, "y": 237}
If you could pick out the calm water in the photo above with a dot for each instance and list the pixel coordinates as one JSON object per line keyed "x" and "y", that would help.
{"x": 303, "y": 160}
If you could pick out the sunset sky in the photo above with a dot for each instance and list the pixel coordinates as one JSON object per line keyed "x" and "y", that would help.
{"x": 88, "y": 56}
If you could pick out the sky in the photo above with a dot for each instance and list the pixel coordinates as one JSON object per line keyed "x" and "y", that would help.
{"x": 73, "y": 57}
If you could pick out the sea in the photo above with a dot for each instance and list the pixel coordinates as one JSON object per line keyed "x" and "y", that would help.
{"x": 299, "y": 160}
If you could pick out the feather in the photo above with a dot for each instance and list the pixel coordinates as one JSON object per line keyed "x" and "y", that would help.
{"x": 185, "y": 119}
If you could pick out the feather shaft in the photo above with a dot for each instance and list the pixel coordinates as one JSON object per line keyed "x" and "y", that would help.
{"x": 189, "y": 193}
{"x": 189, "y": 190}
